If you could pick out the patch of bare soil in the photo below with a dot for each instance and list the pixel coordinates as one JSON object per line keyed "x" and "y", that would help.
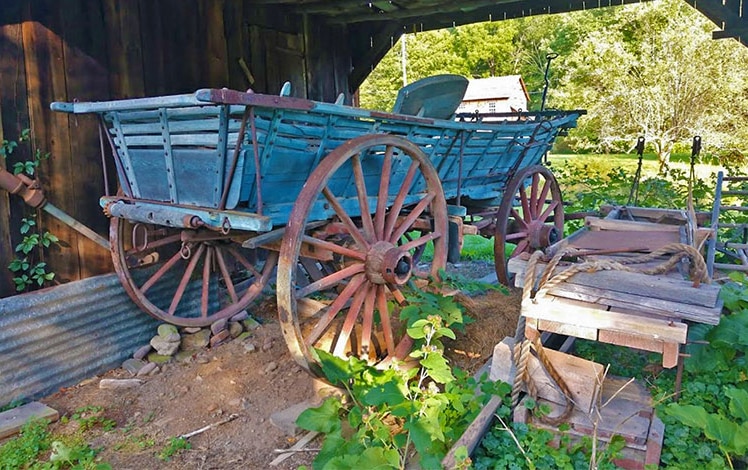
{"x": 229, "y": 380}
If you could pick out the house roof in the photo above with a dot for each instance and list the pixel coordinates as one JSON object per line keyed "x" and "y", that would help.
{"x": 494, "y": 87}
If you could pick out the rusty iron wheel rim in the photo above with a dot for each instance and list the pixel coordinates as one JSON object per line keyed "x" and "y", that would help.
{"x": 361, "y": 293}
{"x": 211, "y": 259}
{"x": 541, "y": 222}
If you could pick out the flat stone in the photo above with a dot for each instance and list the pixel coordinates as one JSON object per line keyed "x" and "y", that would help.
{"x": 244, "y": 336}
{"x": 219, "y": 325}
{"x": 147, "y": 369}
{"x": 119, "y": 383}
{"x": 184, "y": 356}
{"x": 196, "y": 341}
{"x": 142, "y": 352}
{"x": 235, "y": 329}
{"x": 133, "y": 366}
{"x": 165, "y": 330}
{"x": 191, "y": 329}
{"x": 163, "y": 346}
{"x": 243, "y": 315}
{"x": 270, "y": 367}
{"x": 158, "y": 358}
{"x": 250, "y": 324}
{"x": 250, "y": 348}
{"x": 219, "y": 338}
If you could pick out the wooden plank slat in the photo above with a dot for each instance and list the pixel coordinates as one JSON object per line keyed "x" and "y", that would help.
{"x": 11, "y": 421}
{"x": 642, "y": 285}
{"x": 554, "y": 309}
{"x": 44, "y": 59}
{"x": 596, "y": 223}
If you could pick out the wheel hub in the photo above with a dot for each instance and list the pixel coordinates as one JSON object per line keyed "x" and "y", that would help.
{"x": 542, "y": 235}
{"x": 386, "y": 263}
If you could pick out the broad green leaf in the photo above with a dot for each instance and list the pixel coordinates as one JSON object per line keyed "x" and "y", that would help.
{"x": 690, "y": 415}
{"x": 437, "y": 368}
{"x": 446, "y": 332}
{"x": 322, "y": 419}
{"x": 721, "y": 429}
{"x": 335, "y": 369}
{"x": 740, "y": 441}
{"x": 388, "y": 393}
{"x": 738, "y": 402}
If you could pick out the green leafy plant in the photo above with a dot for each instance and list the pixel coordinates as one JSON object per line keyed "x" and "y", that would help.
{"x": 89, "y": 417}
{"x": 174, "y": 446}
{"x": 77, "y": 456}
{"x": 33, "y": 439}
{"x": 29, "y": 269}
{"x": 398, "y": 415}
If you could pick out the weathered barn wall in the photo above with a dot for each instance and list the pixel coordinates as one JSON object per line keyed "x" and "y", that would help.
{"x": 64, "y": 50}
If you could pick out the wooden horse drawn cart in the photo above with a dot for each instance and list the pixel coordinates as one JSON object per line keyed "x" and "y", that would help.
{"x": 222, "y": 191}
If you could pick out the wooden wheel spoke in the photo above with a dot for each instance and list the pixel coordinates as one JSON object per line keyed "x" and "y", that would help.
{"x": 244, "y": 261}
{"x": 515, "y": 236}
{"x": 411, "y": 218}
{"x": 547, "y": 212}
{"x": 225, "y": 274}
{"x": 384, "y": 187}
{"x": 534, "y": 194}
{"x": 350, "y": 322}
{"x": 363, "y": 199}
{"x": 397, "y": 205}
{"x": 335, "y": 248}
{"x": 368, "y": 321}
{"x": 396, "y": 293}
{"x": 185, "y": 279}
{"x": 384, "y": 316}
{"x": 153, "y": 245}
{"x": 526, "y": 214}
{"x": 516, "y": 216}
{"x": 334, "y": 308}
{"x": 420, "y": 241}
{"x": 542, "y": 196}
{"x": 161, "y": 271}
{"x": 345, "y": 218}
{"x": 205, "y": 294}
{"x": 331, "y": 280}
{"x": 521, "y": 248}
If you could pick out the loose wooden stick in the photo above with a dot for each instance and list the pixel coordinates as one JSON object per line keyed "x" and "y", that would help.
{"x": 210, "y": 426}
{"x": 295, "y": 448}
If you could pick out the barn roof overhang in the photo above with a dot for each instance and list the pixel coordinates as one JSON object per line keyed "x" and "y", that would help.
{"x": 375, "y": 25}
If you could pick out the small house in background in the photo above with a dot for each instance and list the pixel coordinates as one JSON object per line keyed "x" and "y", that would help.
{"x": 495, "y": 95}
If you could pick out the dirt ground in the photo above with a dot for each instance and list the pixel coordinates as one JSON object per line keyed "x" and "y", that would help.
{"x": 229, "y": 383}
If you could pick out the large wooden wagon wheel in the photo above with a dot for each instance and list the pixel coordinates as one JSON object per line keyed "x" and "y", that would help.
{"x": 354, "y": 311}
{"x": 187, "y": 277}
{"x": 531, "y": 216}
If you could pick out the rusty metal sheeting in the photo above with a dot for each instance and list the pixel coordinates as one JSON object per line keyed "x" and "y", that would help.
{"x": 60, "y": 336}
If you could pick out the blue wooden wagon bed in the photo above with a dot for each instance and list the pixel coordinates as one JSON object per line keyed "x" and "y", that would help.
{"x": 220, "y": 190}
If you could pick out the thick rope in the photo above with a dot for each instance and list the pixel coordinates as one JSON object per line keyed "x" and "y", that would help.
{"x": 532, "y": 293}
{"x": 522, "y": 353}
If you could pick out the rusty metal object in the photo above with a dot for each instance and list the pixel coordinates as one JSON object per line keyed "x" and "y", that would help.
{"x": 32, "y": 194}
{"x": 535, "y": 224}
{"x": 23, "y": 186}
{"x": 347, "y": 312}
{"x": 208, "y": 275}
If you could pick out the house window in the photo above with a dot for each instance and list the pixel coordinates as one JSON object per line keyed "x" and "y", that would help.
{"x": 491, "y": 107}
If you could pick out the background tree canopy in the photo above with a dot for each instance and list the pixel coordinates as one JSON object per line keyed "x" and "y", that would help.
{"x": 649, "y": 69}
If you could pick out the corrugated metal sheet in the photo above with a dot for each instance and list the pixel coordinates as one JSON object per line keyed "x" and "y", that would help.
{"x": 60, "y": 336}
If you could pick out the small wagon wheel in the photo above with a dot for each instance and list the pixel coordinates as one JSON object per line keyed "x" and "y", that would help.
{"x": 187, "y": 277}
{"x": 531, "y": 216}
{"x": 353, "y": 310}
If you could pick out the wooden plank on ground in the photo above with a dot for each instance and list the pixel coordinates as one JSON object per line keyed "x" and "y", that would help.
{"x": 580, "y": 375}
{"x": 474, "y": 432}
{"x": 12, "y": 421}
{"x": 555, "y": 309}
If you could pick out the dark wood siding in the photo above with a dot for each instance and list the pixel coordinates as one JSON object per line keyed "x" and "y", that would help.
{"x": 64, "y": 50}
